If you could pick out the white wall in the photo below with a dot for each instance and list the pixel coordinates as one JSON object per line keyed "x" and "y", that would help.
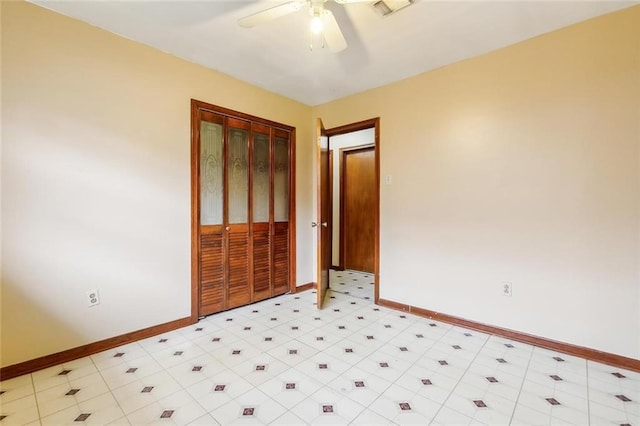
{"x": 360, "y": 137}
{"x": 521, "y": 165}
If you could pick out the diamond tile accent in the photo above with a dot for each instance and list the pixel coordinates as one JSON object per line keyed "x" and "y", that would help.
{"x": 319, "y": 338}
{"x": 552, "y": 401}
{"x": 119, "y": 355}
{"x": 619, "y": 375}
{"x": 290, "y": 386}
{"x": 219, "y": 388}
{"x": 82, "y": 417}
{"x": 268, "y": 339}
{"x": 426, "y": 382}
{"x": 384, "y": 364}
{"x": 348, "y": 350}
{"x": 236, "y": 352}
{"x": 456, "y": 347}
{"x": 162, "y": 340}
{"x": 369, "y": 337}
{"x": 131, "y": 370}
{"x": 327, "y": 408}
{"x": 480, "y": 403}
{"x": 293, "y": 352}
{"x": 197, "y": 368}
{"x": 404, "y": 406}
{"x": 360, "y": 318}
{"x": 295, "y": 327}
{"x": 178, "y": 353}
{"x": 419, "y": 336}
{"x": 556, "y": 378}
{"x": 215, "y": 339}
{"x": 72, "y": 392}
{"x": 358, "y": 384}
{"x": 433, "y": 324}
{"x": 322, "y": 366}
{"x": 146, "y": 389}
{"x": 274, "y": 319}
{"x": 247, "y": 328}
{"x": 443, "y": 362}
{"x": 341, "y": 327}
{"x": 166, "y": 414}
{"x": 387, "y": 326}
{"x": 64, "y": 372}
{"x": 229, "y": 319}
{"x": 260, "y": 367}
{"x": 557, "y": 358}
{"x": 623, "y": 398}
{"x": 248, "y": 411}
{"x": 501, "y": 360}
{"x": 403, "y": 349}
{"x": 468, "y": 334}
{"x": 199, "y": 329}
{"x": 492, "y": 379}
{"x": 509, "y": 345}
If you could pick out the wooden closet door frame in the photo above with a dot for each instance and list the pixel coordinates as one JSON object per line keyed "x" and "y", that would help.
{"x": 196, "y": 107}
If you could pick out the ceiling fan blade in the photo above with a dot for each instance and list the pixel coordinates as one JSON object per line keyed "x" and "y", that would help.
{"x": 331, "y": 31}
{"x": 271, "y": 13}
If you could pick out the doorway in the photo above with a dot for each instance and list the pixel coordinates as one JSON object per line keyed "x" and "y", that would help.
{"x": 354, "y": 219}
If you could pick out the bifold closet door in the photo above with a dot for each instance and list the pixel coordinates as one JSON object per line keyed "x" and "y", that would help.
{"x": 237, "y": 206}
{"x": 281, "y": 211}
{"x": 262, "y": 212}
{"x": 212, "y": 263}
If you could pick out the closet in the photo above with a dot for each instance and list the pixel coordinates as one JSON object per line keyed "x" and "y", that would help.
{"x": 242, "y": 181}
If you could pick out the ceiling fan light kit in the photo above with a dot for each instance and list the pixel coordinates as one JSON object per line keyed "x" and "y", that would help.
{"x": 323, "y": 23}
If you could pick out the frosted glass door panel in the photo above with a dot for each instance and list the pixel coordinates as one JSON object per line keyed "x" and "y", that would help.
{"x": 211, "y": 173}
{"x": 238, "y": 175}
{"x": 261, "y": 172}
{"x": 281, "y": 181}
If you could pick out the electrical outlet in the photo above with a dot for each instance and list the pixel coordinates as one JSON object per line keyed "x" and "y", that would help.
{"x": 93, "y": 298}
{"x": 507, "y": 289}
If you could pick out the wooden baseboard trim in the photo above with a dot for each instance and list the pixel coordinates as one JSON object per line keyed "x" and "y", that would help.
{"x": 567, "y": 348}
{"x": 46, "y": 361}
{"x": 305, "y": 287}
{"x": 336, "y": 268}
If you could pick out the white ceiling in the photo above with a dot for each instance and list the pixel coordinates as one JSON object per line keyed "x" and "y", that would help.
{"x": 276, "y": 55}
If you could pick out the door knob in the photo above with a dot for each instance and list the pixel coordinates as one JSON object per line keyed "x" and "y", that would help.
{"x": 227, "y": 228}
{"x": 313, "y": 224}
{"x": 325, "y": 224}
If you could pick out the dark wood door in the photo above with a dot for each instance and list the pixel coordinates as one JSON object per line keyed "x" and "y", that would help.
{"x": 322, "y": 225}
{"x": 243, "y": 244}
{"x": 359, "y": 209}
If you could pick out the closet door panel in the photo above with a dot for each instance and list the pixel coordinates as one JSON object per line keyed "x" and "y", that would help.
{"x": 238, "y": 292}
{"x": 261, "y": 261}
{"x": 281, "y": 258}
{"x": 212, "y": 294}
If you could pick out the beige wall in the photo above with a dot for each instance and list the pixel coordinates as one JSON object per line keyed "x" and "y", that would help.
{"x": 95, "y": 180}
{"x": 521, "y": 165}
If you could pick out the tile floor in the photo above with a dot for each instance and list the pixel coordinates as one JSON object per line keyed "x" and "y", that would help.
{"x": 354, "y": 283}
{"x": 282, "y": 362}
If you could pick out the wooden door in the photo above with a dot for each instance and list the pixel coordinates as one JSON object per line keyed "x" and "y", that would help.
{"x": 243, "y": 219}
{"x": 359, "y": 209}
{"x": 324, "y": 249}
{"x": 236, "y": 208}
{"x": 211, "y": 265}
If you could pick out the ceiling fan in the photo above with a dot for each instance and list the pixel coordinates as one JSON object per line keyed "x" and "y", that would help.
{"x": 322, "y": 20}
